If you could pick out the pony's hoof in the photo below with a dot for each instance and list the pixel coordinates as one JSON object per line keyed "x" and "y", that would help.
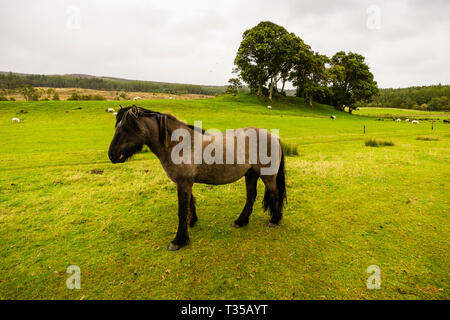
{"x": 272, "y": 225}
{"x": 192, "y": 223}
{"x": 173, "y": 247}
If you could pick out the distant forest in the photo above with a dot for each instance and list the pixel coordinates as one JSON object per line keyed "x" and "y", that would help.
{"x": 10, "y": 81}
{"x": 420, "y": 98}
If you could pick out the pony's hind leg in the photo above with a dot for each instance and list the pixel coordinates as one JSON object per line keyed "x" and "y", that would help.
{"x": 271, "y": 200}
{"x": 193, "y": 212}
{"x": 251, "y": 182}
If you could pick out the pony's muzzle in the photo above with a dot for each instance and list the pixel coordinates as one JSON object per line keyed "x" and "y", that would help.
{"x": 116, "y": 159}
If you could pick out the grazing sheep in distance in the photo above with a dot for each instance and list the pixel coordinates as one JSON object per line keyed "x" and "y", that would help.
{"x": 269, "y": 107}
{"x": 407, "y": 120}
{"x": 333, "y": 117}
{"x": 15, "y": 120}
{"x": 415, "y": 122}
{"x": 137, "y": 98}
{"x": 398, "y": 120}
{"x": 111, "y": 110}
{"x": 114, "y": 113}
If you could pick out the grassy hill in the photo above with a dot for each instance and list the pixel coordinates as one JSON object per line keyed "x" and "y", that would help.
{"x": 401, "y": 113}
{"x": 349, "y": 206}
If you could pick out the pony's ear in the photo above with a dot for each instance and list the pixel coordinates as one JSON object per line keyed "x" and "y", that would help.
{"x": 134, "y": 111}
{"x": 120, "y": 106}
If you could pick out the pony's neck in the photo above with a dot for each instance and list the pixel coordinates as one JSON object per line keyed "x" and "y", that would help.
{"x": 152, "y": 139}
{"x": 161, "y": 150}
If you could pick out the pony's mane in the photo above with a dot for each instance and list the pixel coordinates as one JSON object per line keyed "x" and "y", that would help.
{"x": 131, "y": 114}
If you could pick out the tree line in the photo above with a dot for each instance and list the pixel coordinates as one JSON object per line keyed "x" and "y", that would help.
{"x": 269, "y": 55}
{"x": 12, "y": 81}
{"x": 420, "y": 98}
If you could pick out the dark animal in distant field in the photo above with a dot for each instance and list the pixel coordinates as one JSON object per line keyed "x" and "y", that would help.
{"x": 136, "y": 127}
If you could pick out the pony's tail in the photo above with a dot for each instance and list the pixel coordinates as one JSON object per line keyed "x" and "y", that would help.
{"x": 281, "y": 183}
{"x": 268, "y": 203}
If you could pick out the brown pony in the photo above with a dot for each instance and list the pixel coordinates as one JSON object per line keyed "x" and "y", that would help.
{"x": 136, "y": 127}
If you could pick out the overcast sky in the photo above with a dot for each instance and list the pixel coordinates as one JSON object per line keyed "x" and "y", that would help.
{"x": 405, "y": 42}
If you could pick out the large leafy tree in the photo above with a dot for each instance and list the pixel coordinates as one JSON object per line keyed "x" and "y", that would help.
{"x": 317, "y": 85}
{"x": 266, "y": 54}
{"x": 252, "y": 56}
{"x": 283, "y": 57}
{"x": 310, "y": 75}
{"x": 301, "y": 69}
{"x": 351, "y": 80}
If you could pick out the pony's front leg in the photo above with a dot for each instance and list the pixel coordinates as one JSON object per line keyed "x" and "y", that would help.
{"x": 184, "y": 190}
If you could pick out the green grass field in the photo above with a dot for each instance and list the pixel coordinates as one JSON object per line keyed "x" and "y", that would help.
{"x": 402, "y": 113}
{"x": 349, "y": 206}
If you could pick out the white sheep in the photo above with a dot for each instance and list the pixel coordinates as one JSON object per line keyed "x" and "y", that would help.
{"x": 15, "y": 120}
{"x": 407, "y": 120}
{"x": 333, "y": 117}
{"x": 269, "y": 107}
{"x": 114, "y": 113}
{"x": 415, "y": 122}
{"x": 398, "y": 120}
{"x": 111, "y": 110}
{"x": 137, "y": 98}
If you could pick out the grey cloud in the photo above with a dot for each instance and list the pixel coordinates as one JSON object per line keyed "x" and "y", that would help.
{"x": 195, "y": 41}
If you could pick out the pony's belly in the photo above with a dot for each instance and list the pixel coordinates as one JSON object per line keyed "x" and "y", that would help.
{"x": 220, "y": 174}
